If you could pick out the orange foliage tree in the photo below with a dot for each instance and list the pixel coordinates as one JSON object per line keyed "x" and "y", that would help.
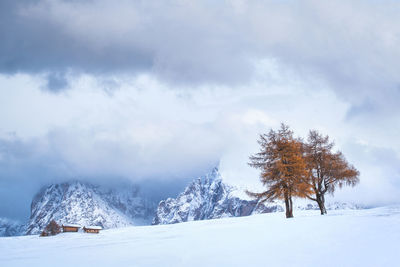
{"x": 327, "y": 170}
{"x": 283, "y": 168}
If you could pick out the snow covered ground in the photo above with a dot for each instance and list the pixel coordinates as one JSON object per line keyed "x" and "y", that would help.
{"x": 369, "y": 237}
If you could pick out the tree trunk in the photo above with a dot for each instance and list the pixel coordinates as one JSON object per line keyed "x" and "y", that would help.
{"x": 289, "y": 207}
{"x": 321, "y": 204}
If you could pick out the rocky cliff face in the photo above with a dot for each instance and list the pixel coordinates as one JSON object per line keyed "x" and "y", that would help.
{"x": 86, "y": 204}
{"x": 205, "y": 198}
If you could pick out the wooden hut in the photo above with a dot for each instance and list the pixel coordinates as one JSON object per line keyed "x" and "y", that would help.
{"x": 92, "y": 229}
{"x": 70, "y": 227}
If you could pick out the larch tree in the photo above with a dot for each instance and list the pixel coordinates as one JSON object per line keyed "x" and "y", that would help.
{"x": 51, "y": 229}
{"x": 327, "y": 170}
{"x": 283, "y": 168}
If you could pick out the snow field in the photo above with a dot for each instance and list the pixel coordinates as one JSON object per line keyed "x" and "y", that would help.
{"x": 369, "y": 237}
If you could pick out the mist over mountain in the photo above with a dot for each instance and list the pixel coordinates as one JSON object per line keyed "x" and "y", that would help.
{"x": 86, "y": 204}
{"x": 11, "y": 228}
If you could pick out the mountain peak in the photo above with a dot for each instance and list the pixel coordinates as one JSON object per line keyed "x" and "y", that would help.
{"x": 214, "y": 174}
{"x": 207, "y": 197}
{"x": 87, "y": 204}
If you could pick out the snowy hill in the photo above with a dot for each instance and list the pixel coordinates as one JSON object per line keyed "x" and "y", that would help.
{"x": 208, "y": 197}
{"x": 368, "y": 237}
{"x": 86, "y": 204}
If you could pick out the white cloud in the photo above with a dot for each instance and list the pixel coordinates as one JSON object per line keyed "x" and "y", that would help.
{"x": 145, "y": 129}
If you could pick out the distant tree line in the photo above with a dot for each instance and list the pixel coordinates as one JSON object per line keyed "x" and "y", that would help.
{"x": 291, "y": 167}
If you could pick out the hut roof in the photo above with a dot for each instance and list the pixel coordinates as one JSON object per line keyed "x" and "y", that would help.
{"x": 94, "y": 227}
{"x": 71, "y": 225}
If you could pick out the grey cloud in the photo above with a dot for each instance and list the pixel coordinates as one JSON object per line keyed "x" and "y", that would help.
{"x": 56, "y": 82}
{"x": 367, "y": 106}
{"x": 351, "y": 44}
{"x": 36, "y": 44}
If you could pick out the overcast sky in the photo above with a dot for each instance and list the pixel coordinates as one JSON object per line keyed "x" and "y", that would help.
{"x": 165, "y": 90}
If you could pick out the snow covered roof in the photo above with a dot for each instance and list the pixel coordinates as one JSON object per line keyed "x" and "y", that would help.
{"x": 71, "y": 225}
{"x": 94, "y": 227}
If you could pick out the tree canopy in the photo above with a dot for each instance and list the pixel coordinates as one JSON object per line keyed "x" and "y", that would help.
{"x": 291, "y": 168}
{"x": 283, "y": 167}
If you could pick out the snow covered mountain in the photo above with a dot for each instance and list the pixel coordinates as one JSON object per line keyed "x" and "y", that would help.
{"x": 81, "y": 203}
{"x": 10, "y": 227}
{"x": 86, "y": 204}
{"x": 208, "y": 197}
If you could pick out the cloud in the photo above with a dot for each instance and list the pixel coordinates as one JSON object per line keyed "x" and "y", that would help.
{"x": 56, "y": 82}
{"x": 380, "y": 174}
{"x": 351, "y": 44}
{"x": 148, "y": 133}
